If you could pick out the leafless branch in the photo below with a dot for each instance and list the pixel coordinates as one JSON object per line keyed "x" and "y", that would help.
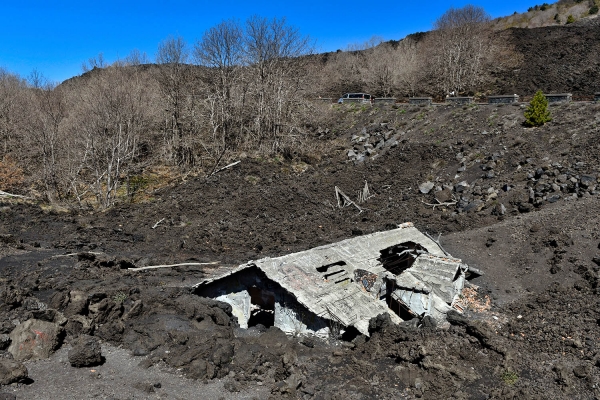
{"x": 364, "y": 194}
{"x": 157, "y": 223}
{"x": 18, "y": 196}
{"x": 171, "y": 265}
{"x": 343, "y": 200}
{"x": 440, "y": 204}
{"x": 438, "y": 242}
{"x": 224, "y": 168}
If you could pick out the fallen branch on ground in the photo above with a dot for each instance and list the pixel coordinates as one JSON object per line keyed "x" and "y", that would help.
{"x": 171, "y": 265}
{"x": 449, "y": 203}
{"x": 157, "y": 224}
{"x": 224, "y": 168}
{"x": 18, "y": 196}
{"x": 76, "y": 254}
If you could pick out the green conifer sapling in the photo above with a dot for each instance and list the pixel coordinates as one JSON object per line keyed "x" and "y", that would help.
{"x": 537, "y": 113}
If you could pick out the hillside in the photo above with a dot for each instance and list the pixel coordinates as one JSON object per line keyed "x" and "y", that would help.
{"x": 553, "y": 14}
{"x": 520, "y": 204}
{"x": 555, "y": 59}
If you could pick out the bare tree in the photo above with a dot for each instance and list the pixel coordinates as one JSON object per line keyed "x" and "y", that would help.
{"x": 373, "y": 41}
{"x": 47, "y": 136}
{"x": 460, "y": 48}
{"x": 12, "y": 101}
{"x": 93, "y": 62}
{"x": 221, "y": 51}
{"x": 136, "y": 57}
{"x": 344, "y": 72}
{"x": 36, "y": 79}
{"x": 379, "y": 70}
{"x": 408, "y": 66}
{"x": 173, "y": 78}
{"x": 274, "y": 52}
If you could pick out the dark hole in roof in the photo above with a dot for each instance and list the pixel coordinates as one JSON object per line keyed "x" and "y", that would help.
{"x": 398, "y": 258}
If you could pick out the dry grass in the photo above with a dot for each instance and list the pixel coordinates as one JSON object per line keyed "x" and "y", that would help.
{"x": 11, "y": 175}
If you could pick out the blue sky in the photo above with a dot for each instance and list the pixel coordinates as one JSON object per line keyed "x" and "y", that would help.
{"x": 55, "y": 37}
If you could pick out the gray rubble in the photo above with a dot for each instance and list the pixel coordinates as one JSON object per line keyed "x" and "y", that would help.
{"x": 372, "y": 141}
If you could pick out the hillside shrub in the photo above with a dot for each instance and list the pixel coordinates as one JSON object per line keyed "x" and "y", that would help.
{"x": 537, "y": 113}
{"x": 570, "y": 19}
{"x": 594, "y": 9}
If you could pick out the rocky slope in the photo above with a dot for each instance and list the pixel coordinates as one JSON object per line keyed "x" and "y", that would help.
{"x": 521, "y": 204}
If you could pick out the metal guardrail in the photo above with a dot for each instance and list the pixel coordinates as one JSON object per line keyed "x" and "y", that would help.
{"x": 556, "y": 97}
{"x": 492, "y": 99}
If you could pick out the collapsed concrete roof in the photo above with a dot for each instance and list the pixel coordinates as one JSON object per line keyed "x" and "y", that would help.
{"x": 401, "y": 272}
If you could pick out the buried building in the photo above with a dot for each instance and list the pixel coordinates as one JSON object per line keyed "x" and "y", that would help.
{"x": 338, "y": 288}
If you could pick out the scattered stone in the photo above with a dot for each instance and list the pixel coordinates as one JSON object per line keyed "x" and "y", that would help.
{"x": 581, "y": 371}
{"x": 144, "y": 387}
{"x": 11, "y": 371}
{"x": 146, "y": 363}
{"x": 78, "y": 325}
{"x": 563, "y": 376}
{"x": 78, "y": 303}
{"x": 33, "y": 304}
{"x": 475, "y": 206}
{"x": 231, "y": 386}
{"x": 499, "y": 209}
{"x": 4, "y": 341}
{"x": 554, "y": 198}
{"x": 524, "y": 207}
{"x": 587, "y": 181}
{"x": 49, "y": 315}
{"x": 461, "y": 186}
{"x": 307, "y": 341}
{"x": 35, "y": 340}
{"x": 535, "y": 228}
{"x": 443, "y": 196}
{"x": 86, "y": 352}
{"x": 134, "y": 311}
{"x": 426, "y": 187}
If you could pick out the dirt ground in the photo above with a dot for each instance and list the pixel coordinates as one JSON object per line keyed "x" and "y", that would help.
{"x": 527, "y": 216}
